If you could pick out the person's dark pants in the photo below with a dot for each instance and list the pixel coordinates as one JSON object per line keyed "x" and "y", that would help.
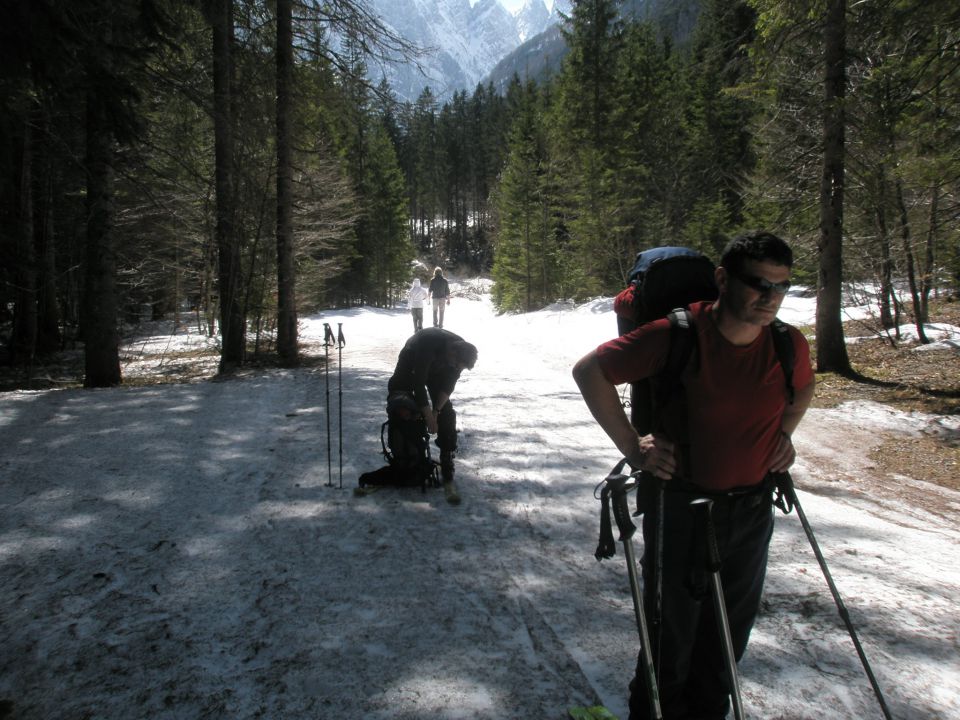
{"x": 417, "y": 318}
{"x": 686, "y": 646}
{"x": 446, "y": 426}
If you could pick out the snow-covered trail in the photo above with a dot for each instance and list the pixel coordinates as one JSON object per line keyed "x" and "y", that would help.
{"x": 176, "y": 551}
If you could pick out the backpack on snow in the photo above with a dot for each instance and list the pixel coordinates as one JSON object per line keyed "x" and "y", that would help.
{"x": 405, "y": 443}
{"x": 662, "y": 283}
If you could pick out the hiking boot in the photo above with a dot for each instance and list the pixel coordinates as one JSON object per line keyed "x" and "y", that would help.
{"x": 446, "y": 465}
{"x": 451, "y": 492}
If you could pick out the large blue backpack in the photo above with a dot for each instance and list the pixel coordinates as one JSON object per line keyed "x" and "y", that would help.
{"x": 662, "y": 279}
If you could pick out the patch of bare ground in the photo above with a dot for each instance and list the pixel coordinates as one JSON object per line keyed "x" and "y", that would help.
{"x": 911, "y": 378}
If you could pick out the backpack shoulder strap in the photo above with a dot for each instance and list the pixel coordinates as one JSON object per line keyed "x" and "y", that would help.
{"x": 682, "y": 345}
{"x": 783, "y": 346}
{"x": 682, "y": 341}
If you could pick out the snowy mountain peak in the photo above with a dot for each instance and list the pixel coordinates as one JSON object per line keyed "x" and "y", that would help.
{"x": 532, "y": 18}
{"x": 465, "y": 40}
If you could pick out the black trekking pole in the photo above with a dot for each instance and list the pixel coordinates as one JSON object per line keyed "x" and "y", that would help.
{"x": 702, "y": 510}
{"x": 340, "y": 343}
{"x": 785, "y": 485}
{"x": 327, "y": 342}
{"x": 615, "y": 487}
{"x": 658, "y": 569}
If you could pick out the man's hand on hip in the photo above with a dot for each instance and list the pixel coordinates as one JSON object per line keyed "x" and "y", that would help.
{"x": 655, "y": 455}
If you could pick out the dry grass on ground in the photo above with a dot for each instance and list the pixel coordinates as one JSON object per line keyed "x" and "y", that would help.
{"x": 912, "y": 380}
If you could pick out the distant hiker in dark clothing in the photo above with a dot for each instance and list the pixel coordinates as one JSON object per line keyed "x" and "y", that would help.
{"x": 440, "y": 293}
{"x": 719, "y": 437}
{"x": 415, "y": 298}
{"x": 428, "y": 367}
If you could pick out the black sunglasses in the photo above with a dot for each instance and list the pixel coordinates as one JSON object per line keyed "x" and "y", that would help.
{"x": 762, "y": 285}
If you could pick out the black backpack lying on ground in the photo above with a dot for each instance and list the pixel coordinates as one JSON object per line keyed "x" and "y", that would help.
{"x": 406, "y": 447}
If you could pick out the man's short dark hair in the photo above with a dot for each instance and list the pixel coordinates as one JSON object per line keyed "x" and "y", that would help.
{"x": 756, "y": 245}
{"x": 466, "y": 353}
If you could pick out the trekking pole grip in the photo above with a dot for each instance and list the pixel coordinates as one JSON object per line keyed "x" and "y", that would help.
{"x": 703, "y": 512}
{"x": 618, "y": 486}
{"x": 621, "y": 510}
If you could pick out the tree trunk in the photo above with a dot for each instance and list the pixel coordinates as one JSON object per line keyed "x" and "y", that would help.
{"x": 886, "y": 298}
{"x": 927, "y": 274}
{"x": 905, "y": 235}
{"x": 23, "y": 343}
{"x": 232, "y": 325}
{"x": 831, "y": 346}
{"x": 207, "y": 304}
{"x": 528, "y": 259}
{"x": 48, "y": 311}
{"x": 99, "y": 322}
{"x": 286, "y": 279}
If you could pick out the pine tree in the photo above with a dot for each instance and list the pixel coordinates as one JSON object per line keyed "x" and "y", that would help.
{"x": 652, "y": 163}
{"x": 232, "y": 321}
{"x": 424, "y": 174}
{"x": 384, "y": 238}
{"x": 287, "y": 346}
{"x": 526, "y": 267}
{"x": 831, "y": 346}
{"x": 722, "y": 148}
{"x": 587, "y": 89}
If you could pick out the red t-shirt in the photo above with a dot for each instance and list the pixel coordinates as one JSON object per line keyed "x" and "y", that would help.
{"x": 735, "y": 395}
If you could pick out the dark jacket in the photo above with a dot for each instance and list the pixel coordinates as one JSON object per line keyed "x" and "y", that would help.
{"x": 439, "y": 287}
{"x": 423, "y": 366}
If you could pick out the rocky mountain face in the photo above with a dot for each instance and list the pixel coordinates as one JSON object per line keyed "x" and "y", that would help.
{"x": 533, "y": 18}
{"x": 540, "y": 55}
{"x": 462, "y": 42}
{"x": 465, "y": 44}
{"x": 537, "y": 58}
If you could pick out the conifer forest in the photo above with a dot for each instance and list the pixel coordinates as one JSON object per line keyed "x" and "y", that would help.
{"x": 240, "y": 159}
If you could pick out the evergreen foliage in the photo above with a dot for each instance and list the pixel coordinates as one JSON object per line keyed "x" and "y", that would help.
{"x": 901, "y": 187}
{"x": 587, "y": 92}
{"x": 526, "y": 268}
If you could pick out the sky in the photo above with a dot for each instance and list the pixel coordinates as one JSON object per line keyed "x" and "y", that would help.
{"x": 194, "y": 550}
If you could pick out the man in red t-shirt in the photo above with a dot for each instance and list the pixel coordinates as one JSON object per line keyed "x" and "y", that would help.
{"x": 719, "y": 438}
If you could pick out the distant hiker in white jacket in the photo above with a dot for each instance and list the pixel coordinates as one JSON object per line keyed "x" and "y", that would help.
{"x": 415, "y": 299}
